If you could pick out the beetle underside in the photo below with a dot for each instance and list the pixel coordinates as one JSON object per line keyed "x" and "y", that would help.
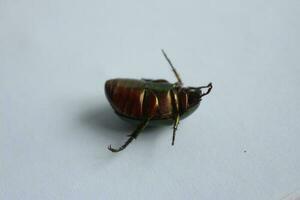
{"x": 152, "y": 101}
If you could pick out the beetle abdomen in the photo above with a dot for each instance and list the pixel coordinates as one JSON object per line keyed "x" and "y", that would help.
{"x": 126, "y": 96}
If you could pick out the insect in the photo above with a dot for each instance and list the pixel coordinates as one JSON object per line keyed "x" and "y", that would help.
{"x": 152, "y": 101}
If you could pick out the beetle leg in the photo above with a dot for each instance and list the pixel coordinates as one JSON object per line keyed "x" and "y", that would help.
{"x": 173, "y": 68}
{"x": 202, "y": 87}
{"x": 132, "y": 136}
{"x": 209, "y": 86}
{"x": 175, "y": 113}
{"x": 176, "y": 122}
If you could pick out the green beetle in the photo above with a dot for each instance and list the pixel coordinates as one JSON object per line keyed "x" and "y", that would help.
{"x": 156, "y": 101}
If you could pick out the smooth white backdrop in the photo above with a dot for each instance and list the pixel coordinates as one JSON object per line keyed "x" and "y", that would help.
{"x": 55, "y": 122}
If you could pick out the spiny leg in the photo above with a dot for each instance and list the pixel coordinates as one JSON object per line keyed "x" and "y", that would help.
{"x": 176, "y": 122}
{"x": 173, "y": 68}
{"x": 132, "y": 136}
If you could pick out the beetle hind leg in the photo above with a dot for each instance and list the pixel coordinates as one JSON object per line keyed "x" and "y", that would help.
{"x": 132, "y": 136}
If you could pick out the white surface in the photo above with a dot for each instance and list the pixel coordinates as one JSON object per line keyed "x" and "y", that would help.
{"x": 55, "y": 122}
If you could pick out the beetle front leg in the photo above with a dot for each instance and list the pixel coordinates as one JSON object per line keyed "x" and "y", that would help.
{"x": 132, "y": 136}
{"x": 209, "y": 86}
{"x": 176, "y": 122}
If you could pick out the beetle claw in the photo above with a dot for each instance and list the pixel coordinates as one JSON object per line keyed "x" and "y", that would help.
{"x": 110, "y": 148}
{"x": 115, "y": 150}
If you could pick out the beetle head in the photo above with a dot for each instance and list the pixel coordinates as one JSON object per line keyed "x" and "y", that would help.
{"x": 194, "y": 96}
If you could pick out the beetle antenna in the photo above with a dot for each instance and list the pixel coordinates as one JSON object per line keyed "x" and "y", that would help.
{"x": 173, "y": 68}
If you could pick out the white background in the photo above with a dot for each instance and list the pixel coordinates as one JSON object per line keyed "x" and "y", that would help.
{"x": 55, "y": 122}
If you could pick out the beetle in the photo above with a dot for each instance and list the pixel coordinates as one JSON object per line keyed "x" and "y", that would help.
{"x": 156, "y": 101}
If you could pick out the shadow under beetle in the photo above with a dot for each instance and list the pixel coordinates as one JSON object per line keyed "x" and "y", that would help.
{"x": 155, "y": 101}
